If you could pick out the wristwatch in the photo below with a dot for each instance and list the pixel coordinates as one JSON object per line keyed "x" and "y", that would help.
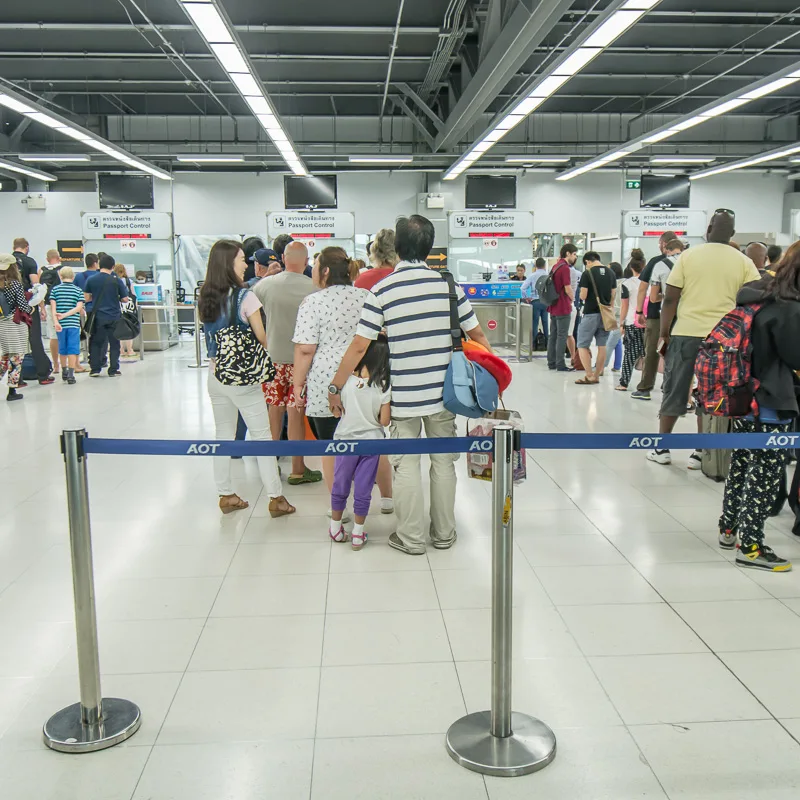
{"x": 334, "y": 390}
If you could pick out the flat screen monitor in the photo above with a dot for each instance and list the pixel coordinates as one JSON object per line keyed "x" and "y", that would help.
{"x": 664, "y": 191}
{"x": 314, "y": 191}
{"x": 491, "y": 191}
{"x": 125, "y": 191}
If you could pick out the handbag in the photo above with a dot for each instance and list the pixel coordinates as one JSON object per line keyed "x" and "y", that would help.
{"x": 127, "y": 326}
{"x": 241, "y": 359}
{"x": 607, "y": 314}
{"x": 469, "y": 389}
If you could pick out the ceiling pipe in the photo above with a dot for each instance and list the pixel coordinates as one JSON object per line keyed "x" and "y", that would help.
{"x": 391, "y": 61}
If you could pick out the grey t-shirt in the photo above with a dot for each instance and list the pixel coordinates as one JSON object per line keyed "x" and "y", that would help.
{"x": 281, "y": 296}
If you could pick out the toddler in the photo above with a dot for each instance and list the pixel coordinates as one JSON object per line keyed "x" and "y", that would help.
{"x": 365, "y": 398}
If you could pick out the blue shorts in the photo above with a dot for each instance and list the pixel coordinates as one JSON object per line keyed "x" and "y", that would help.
{"x": 69, "y": 341}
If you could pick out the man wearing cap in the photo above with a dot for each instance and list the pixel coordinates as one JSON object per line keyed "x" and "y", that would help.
{"x": 266, "y": 263}
{"x": 281, "y": 296}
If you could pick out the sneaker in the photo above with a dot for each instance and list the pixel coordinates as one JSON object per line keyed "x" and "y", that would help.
{"x": 565, "y": 369}
{"x": 640, "y": 395}
{"x": 114, "y": 373}
{"x": 727, "y": 539}
{"x": 94, "y": 374}
{"x": 64, "y": 375}
{"x": 22, "y": 384}
{"x": 12, "y": 395}
{"x": 762, "y": 557}
{"x": 398, "y": 544}
{"x": 444, "y": 544}
{"x": 387, "y": 505}
{"x": 696, "y": 460}
{"x": 46, "y": 381}
{"x": 71, "y": 381}
{"x": 660, "y": 456}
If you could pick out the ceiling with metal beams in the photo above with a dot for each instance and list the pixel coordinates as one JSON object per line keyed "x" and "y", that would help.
{"x": 421, "y": 77}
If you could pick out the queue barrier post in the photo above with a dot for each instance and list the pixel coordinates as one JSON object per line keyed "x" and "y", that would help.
{"x": 94, "y": 723}
{"x": 502, "y": 742}
{"x": 198, "y": 353}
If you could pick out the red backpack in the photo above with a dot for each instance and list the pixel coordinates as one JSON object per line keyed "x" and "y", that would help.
{"x": 725, "y": 383}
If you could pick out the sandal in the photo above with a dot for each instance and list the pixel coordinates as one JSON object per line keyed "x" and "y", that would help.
{"x": 280, "y": 507}
{"x": 586, "y": 382}
{"x": 231, "y": 502}
{"x": 308, "y": 476}
{"x": 621, "y": 388}
{"x": 359, "y": 540}
{"x": 340, "y": 536}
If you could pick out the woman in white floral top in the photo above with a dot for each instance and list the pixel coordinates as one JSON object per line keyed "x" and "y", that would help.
{"x": 326, "y": 324}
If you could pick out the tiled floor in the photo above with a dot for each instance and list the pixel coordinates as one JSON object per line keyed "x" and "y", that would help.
{"x": 269, "y": 663}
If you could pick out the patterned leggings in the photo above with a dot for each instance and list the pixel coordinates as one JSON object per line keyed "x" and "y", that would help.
{"x": 753, "y": 484}
{"x": 12, "y": 364}
{"x": 634, "y": 350}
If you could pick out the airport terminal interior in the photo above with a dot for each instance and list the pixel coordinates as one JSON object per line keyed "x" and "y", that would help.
{"x": 268, "y": 659}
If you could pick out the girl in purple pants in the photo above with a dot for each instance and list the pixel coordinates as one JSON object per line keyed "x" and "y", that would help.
{"x": 365, "y": 398}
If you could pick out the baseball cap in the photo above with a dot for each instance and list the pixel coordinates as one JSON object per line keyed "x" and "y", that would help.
{"x": 265, "y": 257}
{"x": 6, "y": 260}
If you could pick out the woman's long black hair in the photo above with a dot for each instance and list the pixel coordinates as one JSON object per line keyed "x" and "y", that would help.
{"x": 376, "y": 362}
{"x": 220, "y": 279}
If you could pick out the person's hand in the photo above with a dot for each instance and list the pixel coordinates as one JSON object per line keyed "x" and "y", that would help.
{"x": 273, "y": 269}
{"x": 640, "y": 318}
{"x": 335, "y": 405}
{"x": 299, "y": 396}
{"x": 58, "y": 327}
{"x": 663, "y": 344}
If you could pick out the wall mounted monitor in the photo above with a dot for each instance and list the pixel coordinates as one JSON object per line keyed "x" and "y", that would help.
{"x": 491, "y": 191}
{"x": 664, "y": 191}
{"x": 125, "y": 191}
{"x": 314, "y": 191}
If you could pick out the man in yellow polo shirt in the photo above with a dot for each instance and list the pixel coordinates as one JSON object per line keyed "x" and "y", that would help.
{"x": 701, "y": 289}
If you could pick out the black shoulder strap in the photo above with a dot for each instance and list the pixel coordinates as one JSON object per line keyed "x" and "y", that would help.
{"x": 455, "y": 323}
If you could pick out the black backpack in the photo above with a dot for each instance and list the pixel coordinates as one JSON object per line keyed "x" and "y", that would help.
{"x": 50, "y": 278}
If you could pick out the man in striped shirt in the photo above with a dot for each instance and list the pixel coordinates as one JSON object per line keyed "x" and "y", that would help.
{"x": 412, "y": 305}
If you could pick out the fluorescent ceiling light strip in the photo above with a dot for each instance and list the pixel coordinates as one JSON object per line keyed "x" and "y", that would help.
{"x": 246, "y": 84}
{"x": 577, "y": 61}
{"x": 549, "y": 86}
{"x": 643, "y": 5}
{"x": 15, "y": 105}
{"x": 209, "y": 22}
{"x": 613, "y": 27}
{"x": 682, "y": 159}
{"x": 44, "y": 119}
{"x": 52, "y": 158}
{"x": 231, "y": 59}
{"x": 769, "y": 88}
{"x": 773, "y": 155}
{"x": 209, "y": 158}
{"x": 535, "y": 159}
{"x": 258, "y": 105}
{"x": 724, "y": 108}
{"x": 30, "y": 172}
{"x": 387, "y": 159}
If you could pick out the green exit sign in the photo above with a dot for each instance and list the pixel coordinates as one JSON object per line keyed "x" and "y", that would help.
{"x": 633, "y": 184}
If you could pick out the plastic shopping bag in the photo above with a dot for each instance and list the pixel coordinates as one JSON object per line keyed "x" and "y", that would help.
{"x": 479, "y": 465}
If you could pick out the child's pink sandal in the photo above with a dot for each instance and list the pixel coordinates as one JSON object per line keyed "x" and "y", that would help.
{"x": 359, "y": 540}
{"x": 340, "y": 535}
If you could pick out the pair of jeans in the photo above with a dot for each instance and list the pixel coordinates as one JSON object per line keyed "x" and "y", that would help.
{"x": 614, "y": 348}
{"x": 540, "y": 312}
{"x": 409, "y": 505}
{"x": 227, "y": 402}
{"x": 103, "y": 338}
{"x": 358, "y": 472}
{"x": 557, "y": 342}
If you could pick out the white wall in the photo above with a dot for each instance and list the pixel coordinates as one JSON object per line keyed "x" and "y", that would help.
{"x": 226, "y": 203}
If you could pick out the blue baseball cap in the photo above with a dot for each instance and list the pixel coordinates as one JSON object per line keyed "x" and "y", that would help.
{"x": 265, "y": 257}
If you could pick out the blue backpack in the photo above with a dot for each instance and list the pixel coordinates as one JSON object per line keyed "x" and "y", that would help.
{"x": 469, "y": 390}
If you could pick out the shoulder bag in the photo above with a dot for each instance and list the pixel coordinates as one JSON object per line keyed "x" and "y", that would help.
{"x": 606, "y": 309}
{"x": 469, "y": 389}
{"x": 241, "y": 359}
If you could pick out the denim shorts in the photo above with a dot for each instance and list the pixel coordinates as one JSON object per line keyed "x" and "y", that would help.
{"x": 69, "y": 341}
{"x": 591, "y": 327}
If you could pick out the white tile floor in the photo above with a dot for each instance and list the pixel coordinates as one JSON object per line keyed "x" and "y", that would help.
{"x": 269, "y": 663}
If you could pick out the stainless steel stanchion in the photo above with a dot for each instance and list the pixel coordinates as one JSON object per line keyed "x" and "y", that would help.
{"x": 140, "y": 315}
{"x": 94, "y": 723}
{"x": 198, "y": 353}
{"x": 501, "y": 742}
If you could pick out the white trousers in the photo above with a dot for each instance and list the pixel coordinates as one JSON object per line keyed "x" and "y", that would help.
{"x": 227, "y": 402}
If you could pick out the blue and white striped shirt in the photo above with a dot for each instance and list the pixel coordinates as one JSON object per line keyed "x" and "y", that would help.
{"x": 67, "y": 296}
{"x": 412, "y": 304}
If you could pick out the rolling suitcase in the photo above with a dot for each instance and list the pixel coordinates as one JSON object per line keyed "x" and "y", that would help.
{"x": 716, "y": 463}
{"x": 29, "y": 368}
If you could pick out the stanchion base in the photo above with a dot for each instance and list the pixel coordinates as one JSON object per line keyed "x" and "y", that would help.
{"x": 65, "y": 733}
{"x": 531, "y": 746}
{"x": 198, "y": 366}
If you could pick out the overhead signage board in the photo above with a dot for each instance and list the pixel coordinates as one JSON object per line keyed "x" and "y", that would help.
{"x": 633, "y": 184}
{"x": 70, "y": 251}
{"x": 437, "y": 258}
{"x": 490, "y": 224}
{"x": 654, "y": 221}
{"x": 126, "y": 225}
{"x": 312, "y": 224}
{"x": 500, "y": 290}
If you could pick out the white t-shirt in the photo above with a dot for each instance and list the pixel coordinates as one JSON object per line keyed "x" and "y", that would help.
{"x": 630, "y": 292}
{"x": 362, "y": 410}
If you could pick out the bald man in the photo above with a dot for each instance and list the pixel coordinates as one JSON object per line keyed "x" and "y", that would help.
{"x": 701, "y": 290}
{"x": 757, "y": 253}
{"x": 281, "y": 296}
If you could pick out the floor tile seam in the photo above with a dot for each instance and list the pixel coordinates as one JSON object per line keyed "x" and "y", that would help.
{"x": 319, "y": 679}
